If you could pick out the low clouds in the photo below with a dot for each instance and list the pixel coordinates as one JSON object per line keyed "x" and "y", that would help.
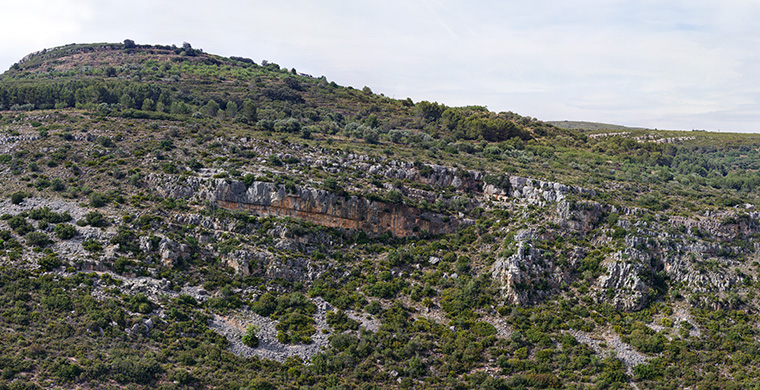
{"x": 679, "y": 64}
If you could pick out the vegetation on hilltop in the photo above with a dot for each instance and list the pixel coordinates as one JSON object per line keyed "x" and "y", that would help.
{"x": 591, "y": 126}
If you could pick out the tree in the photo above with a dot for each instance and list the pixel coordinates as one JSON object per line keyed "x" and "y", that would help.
{"x": 371, "y": 136}
{"x": 430, "y": 111}
{"x": 250, "y": 111}
{"x": 129, "y": 44}
{"x": 211, "y": 108}
{"x": 188, "y": 50}
{"x": 372, "y": 121}
{"x": 232, "y": 110}
{"x": 148, "y": 105}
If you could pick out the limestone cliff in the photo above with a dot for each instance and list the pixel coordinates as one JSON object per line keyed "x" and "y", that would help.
{"x": 328, "y": 209}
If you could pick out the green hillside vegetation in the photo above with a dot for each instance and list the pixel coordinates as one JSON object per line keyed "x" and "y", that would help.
{"x": 92, "y": 137}
{"x": 591, "y": 126}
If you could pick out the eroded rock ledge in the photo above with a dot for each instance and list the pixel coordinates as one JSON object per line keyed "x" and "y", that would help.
{"x": 328, "y": 209}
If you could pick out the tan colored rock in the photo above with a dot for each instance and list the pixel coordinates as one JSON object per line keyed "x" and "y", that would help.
{"x": 328, "y": 209}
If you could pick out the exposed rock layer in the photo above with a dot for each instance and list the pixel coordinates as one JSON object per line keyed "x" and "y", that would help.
{"x": 328, "y": 209}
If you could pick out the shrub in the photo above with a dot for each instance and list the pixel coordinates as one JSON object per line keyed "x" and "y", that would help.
{"x": 98, "y": 200}
{"x": 91, "y": 245}
{"x": 57, "y": 185}
{"x": 44, "y": 214}
{"x": 49, "y": 263}
{"x": 66, "y": 371}
{"x": 340, "y": 322}
{"x": 135, "y": 370}
{"x": 374, "y": 308}
{"x": 121, "y": 264}
{"x": 19, "y": 225}
{"x": 138, "y": 302}
{"x": 64, "y": 231}
{"x": 126, "y": 240}
{"x": 18, "y": 197}
{"x": 295, "y": 328}
{"x": 395, "y": 196}
{"x": 543, "y": 380}
{"x": 94, "y": 219}
{"x": 250, "y": 338}
{"x": 37, "y": 239}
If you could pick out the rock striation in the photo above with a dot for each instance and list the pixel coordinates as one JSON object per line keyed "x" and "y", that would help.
{"x": 328, "y": 209}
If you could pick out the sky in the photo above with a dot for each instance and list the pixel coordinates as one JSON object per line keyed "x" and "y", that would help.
{"x": 677, "y": 64}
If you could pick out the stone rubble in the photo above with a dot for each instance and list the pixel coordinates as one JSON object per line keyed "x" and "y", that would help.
{"x": 617, "y": 349}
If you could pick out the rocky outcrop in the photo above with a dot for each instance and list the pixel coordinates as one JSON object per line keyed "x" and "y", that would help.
{"x": 531, "y": 191}
{"x": 510, "y": 274}
{"x": 704, "y": 275}
{"x": 328, "y": 209}
{"x": 578, "y": 216}
{"x": 527, "y": 275}
{"x": 168, "y": 251}
{"x": 240, "y": 261}
{"x": 622, "y": 286}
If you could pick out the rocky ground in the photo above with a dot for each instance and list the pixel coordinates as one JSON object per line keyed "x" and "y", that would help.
{"x": 608, "y": 344}
{"x": 233, "y": 327}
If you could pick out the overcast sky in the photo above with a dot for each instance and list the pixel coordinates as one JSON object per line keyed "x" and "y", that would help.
{"x": 676, "y": 64}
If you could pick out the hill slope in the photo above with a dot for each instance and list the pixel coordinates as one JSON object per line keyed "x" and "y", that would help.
{"x": 171, "y": 218}
{"x": 591, "y": 126}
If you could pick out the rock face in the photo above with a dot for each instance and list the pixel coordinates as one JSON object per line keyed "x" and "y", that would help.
{"x": 327, "y": 209}
{"x": 513, "y": 273}
{"x": 531, "y": 191}
{"x": 578, "y": 216}
{"x": 528, "y": 274}
{"x": 622, "y": 281}
{"x": 168, "y": 251}
{"x": 696, "y": 251}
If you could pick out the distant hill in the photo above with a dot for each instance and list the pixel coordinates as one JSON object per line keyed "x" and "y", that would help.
{"x": 591, "y": 126}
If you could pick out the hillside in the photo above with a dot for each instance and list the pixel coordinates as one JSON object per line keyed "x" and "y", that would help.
{"x": 170, "y": 218}
{"x": 591, "y": 126}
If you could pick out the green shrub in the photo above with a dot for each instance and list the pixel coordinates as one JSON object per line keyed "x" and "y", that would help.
{"x": 49, "y": 262}
{"x": 395, "y": 196}
{"x": 44, "y": 214}
{"x": 340, "y": 322}
{"x": 94, "y": 219}
{"x": 37, "y": 239}
{"x": 20, "y": 225}
{"x": 64, "y": 231}
{"x": 135, "y": 370}
{"x": 66, "y": 371}
{"x": 295, "y": 328}
{"x": 250, "y": 338}
{"x": 18, "y": 197}
{"x": 57, "y": 185}
{"x": 139, "y": 303}
{"x": 120, "y": 264}
{"x": 127, "y": 240}
{"x": 91, "y": 245}
{"x": 98, "y": 200}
